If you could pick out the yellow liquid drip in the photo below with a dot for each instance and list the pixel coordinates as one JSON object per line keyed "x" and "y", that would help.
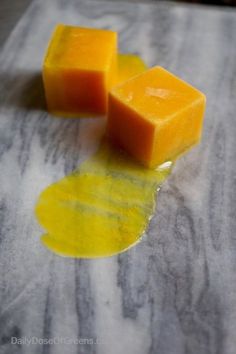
{"x": 102, "y": 208}
{"x": 129, "y": 65}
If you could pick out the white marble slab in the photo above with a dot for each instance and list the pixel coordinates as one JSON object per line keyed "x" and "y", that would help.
{"x": 173, "y": 293}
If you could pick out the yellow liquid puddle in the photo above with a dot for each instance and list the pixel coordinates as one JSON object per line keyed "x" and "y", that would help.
{"x": 101, "y": 209}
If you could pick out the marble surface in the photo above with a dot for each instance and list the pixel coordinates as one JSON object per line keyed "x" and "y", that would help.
{"x": 10, "y": 13}
{"x": 175, "y": 292}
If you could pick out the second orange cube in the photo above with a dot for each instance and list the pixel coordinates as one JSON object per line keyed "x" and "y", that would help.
{"x": 79, "y": 69}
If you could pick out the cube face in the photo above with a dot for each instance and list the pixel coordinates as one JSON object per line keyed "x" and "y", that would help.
{"x": 155, "y": 116}
{"x": 178, "y": 135}
{"x": 86, "y": 91}
{"x": 129, "y": 130}
{"x": 79, "y": 69}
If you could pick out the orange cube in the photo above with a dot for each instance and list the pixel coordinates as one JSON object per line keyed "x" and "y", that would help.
{"x": 155, "y": 116}
{"x": 79, "y": 69}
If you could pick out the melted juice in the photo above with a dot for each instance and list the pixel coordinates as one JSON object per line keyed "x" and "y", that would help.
{"x": 102, "y": 208}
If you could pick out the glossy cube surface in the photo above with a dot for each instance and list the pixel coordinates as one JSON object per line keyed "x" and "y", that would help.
{"x": 79, "y": 69}
{"x": 155, "y": 116}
